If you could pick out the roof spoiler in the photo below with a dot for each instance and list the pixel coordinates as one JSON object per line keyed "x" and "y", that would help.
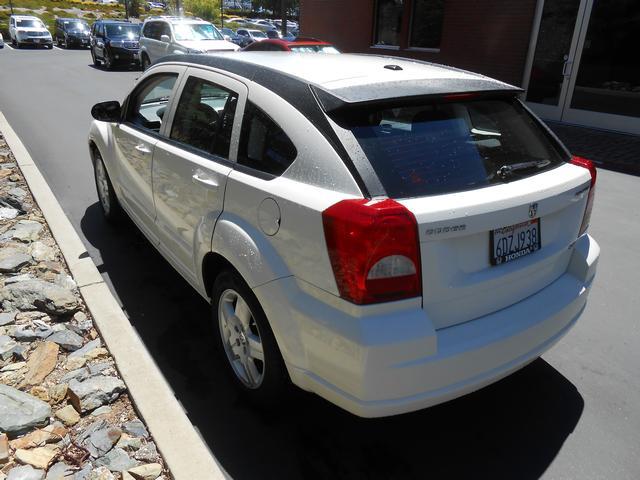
{"x": 414, "y": 91}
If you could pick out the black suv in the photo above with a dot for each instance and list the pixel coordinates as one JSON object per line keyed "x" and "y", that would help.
{"x": 71, "y": 32}
{"x": 115, "y": 42}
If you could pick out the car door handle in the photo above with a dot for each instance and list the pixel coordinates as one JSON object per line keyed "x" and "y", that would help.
{"x": 204, "y": 179}
{"x": 143, "y": 148}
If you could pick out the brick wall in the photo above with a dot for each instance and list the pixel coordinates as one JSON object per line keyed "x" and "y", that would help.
{"x": 486, "y": 36}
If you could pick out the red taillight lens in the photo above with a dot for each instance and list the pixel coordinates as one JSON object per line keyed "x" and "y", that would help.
{"x": 374, "y": 250}
{"x": 588, "y": 164}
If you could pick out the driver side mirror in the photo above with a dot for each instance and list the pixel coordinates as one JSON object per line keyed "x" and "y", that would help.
{"x": 165, "y": 38}
{"x": 107, "y": 111}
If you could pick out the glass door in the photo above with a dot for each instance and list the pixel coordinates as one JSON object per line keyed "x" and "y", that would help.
{"x": 554, "y": 56}
{"x": 604, "y": 91}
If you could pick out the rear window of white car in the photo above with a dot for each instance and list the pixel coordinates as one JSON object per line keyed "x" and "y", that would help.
{"x": 451, "y": 146}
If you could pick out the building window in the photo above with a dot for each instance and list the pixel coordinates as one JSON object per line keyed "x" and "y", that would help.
{"x": 426, "y": 23}
{"x": 388, "y": 22}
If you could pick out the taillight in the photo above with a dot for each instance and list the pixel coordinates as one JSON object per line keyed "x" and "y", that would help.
{"x": 588, "y": 164}
{"x": 374, "y": 250}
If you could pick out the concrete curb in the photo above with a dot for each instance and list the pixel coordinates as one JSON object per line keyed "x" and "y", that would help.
{"x": 185, "y": 453}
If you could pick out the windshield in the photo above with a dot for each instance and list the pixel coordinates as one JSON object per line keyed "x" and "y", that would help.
{"x": 258, "y": 34}
{"x": 118, "y": 30}
{"x": 444, "y": 147}
{"x": 76, "y": 26}
{"x": 314, "y": 49}
{"x": 30, "y": 24}
{"x": 196, "y": 31}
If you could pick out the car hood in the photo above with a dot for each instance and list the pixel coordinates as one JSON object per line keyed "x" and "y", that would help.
{"x": 77, "y": 32}
{"x": 208, "y": 45}
{"x": 124, "y": 38}
{"x": 32, "y": 29}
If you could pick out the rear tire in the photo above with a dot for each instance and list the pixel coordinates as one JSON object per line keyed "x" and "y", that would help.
{"x": 106, "y": 194}
{"x": 145, "y": 62}
{"x": 246, "y": 342}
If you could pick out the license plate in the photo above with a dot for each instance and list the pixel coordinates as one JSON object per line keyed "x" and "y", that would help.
{"x": 37, "y": 40}
{"x": 515, "y": 241}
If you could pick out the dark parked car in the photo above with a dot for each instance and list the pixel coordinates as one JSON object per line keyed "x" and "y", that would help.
{"x": 71, "y": 32}
{"x": 115, "y": 42}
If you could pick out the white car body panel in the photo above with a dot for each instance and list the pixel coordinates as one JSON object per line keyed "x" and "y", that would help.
{"x": 473, "y": 324}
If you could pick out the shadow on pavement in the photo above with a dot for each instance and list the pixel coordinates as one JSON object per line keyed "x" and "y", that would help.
{"x": 512, "y": 429}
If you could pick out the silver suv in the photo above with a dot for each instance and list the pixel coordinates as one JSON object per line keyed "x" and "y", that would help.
{"x": 163, "y": 36}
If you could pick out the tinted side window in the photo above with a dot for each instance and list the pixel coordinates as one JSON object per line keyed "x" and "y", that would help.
{"x": 263, "y": 144}
{"x": 147, "y": 104}
{"x": 165, "y": 29}
{"x": 204, "y": 117}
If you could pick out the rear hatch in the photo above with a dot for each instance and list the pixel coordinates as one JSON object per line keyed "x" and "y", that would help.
{"x": 497, "y": 204}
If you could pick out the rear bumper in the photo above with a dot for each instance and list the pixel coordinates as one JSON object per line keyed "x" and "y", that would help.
{"x": 394, "y": 361}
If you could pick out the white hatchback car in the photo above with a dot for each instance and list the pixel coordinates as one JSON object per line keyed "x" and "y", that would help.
{"x": 387, "y": 233}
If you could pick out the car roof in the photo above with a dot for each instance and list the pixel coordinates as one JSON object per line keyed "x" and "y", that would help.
{"x": 24, "y": 17}
{"x": 344, "y": 79}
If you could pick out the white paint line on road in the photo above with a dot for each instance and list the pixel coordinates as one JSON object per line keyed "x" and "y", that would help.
{"x": 8, "y": 45}
{"x": 182, "y": 447}
{"x": 57, "y": 48}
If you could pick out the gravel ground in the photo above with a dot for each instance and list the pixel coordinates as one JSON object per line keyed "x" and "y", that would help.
{"x": 64, "y": 411}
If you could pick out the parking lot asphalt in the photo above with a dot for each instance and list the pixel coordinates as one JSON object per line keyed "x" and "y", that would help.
{"x": 572, "y": 414}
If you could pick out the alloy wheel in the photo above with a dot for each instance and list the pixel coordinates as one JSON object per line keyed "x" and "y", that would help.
{"x": 241, "y": 339}
{"x": 102, "y": 182}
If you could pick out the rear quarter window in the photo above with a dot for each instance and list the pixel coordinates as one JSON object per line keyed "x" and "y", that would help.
{"x": 450, "y": 146}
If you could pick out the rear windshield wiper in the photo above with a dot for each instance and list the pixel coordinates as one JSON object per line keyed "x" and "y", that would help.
{"x": 506, "y": 171}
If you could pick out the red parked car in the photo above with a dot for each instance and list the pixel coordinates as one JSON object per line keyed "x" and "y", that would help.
{"x": 299, "y": 45}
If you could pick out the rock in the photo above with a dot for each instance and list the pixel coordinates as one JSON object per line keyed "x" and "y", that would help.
{"x": 37, "y": 438}
{"x": 57, "y": 393}
{"x": 39, "y": 295}
{"x": 19, "y": 352}
{"x": 13, "y": 259}
{"x": 84, "y": 473}
{"x": 60, "y": 471}
{"x": 7, "y": 318}
{"x": 79, "y": 374}
{"x": 4, "y": 448}
{"x": 67, "y": 340}
{"x": 101, "y": 441}
{"x": 117, "y": 460}
{"x": 7, "y": 344}
{"x": 150, "y": 471}
{"x": 20, "y": 412}
{"x": 97, "y": 353}
{"x": 128, "y": 442}
{"x": 94, "y": 392}
{"x": 65, "y": 281}
{"x": 8, "y": 213}
{"x": 41, "y": 363}
{"x": 68, "y": 415}
{"x": 32, "y": 317}
{"x": 75, "y": 363}
{"x": 82, "y": 321}
{"x": 39, "y": 457}
{"x": 101, "y": 411}
{"x": 136, "y": 428}
{"x": 86, "y": 349}
{"x": 40, "y": 392}
{"x": 12, "y": 367}
{"x": 42, "y": 252}
{"x": 97, "y": 368}
{"x": 24, "y": 334}
{"x": 101, "y": 473}
{"x": 26, "y": 472}
{"x": 25, "y": 231}
{"x": 18, "y": 193}
{"x": 148, "y": 453}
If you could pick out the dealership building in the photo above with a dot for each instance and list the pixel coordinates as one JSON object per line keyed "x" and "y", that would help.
{"x": 577, "y": 60}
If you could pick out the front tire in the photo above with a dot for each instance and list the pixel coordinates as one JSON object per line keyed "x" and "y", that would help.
{"x": 144, "y": 62}
{"x": 245, "y": 341}
{"x": 108, "y": 60}
{"x": 106, "y": 194}
{"x": 96, "y": 62}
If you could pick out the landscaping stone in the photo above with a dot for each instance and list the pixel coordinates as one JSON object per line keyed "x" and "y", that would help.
{"x": 40, "y": 392}
{"x": 83, "y": 474}
{"x": 57, "y": 393}
{"x": 41, "y": 363}
{"x": 13, "y": 259}
{"x": 148, "y": 453}
{"x": 117, "y": 460}
{"x": 8, "y": 213}
{"x": 150, "y": 471}
{"x": 38, "y": 295}
{"x": 101, "y": 441}
{"x": 136, "y": 428}
{"x": 4, "y": 449}
{"x": 68, "y": 415}
{"x": 39, "y": 457}
{"x": 41, "y": 252}
{"x": 21, "y": 412}
{"x": 7, "y": 318}
{"x": 74, "y": 364}
{"x": 25, "y": 231}
{"x": 7, "y": 344}
{"x": 24, "y": 334}
{"x": 128, "y": 442}
{"x": 67, "y": 340}
{"x": 37, "y": 438}
{"x": 26, "y": 472}
{"x": 101, "y": 411}
{"x": 101, "y": 473}
{"x": 12, "y": 367}
{"x": 86, "y": 349}
{"x": 60, "y": 471}
{"x": 18, "y": 193}
{"x": 94, "y": 392}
